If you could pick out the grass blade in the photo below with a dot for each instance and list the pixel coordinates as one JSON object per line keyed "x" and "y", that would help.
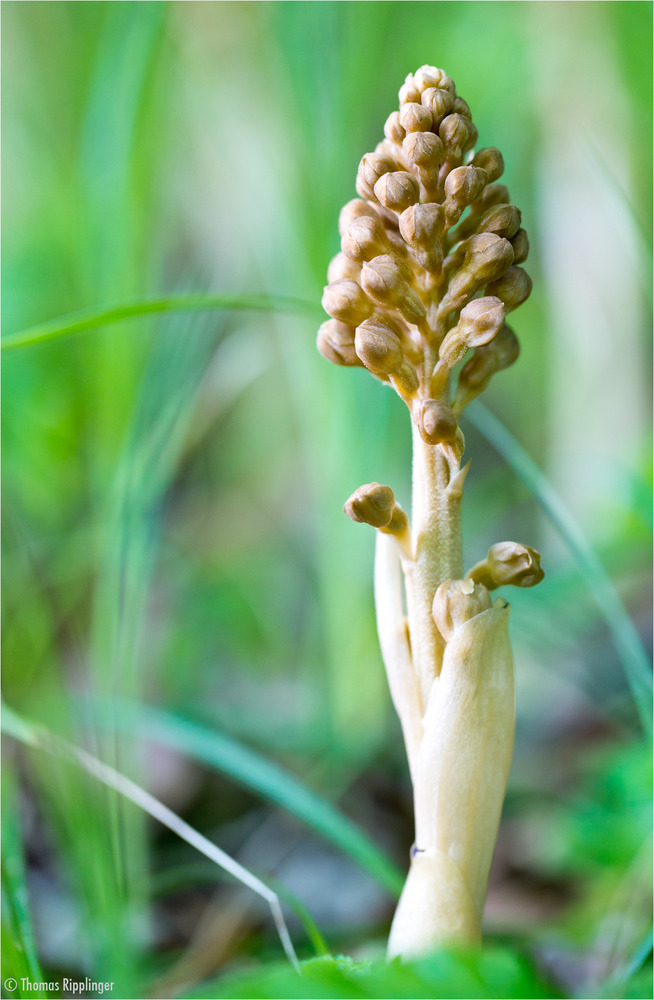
{"x": 266, "y": 779}
{"x": 42, "y": 739}
{"x": 92, "y": 319}
{"x": 623, "y": 631}
{"x": 21, "y": 940}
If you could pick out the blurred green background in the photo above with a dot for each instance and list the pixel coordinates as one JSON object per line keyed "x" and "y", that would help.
{"x": 173, "y": 484}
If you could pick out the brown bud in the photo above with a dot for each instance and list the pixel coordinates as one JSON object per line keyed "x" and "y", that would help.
{"x": 393, "y": 129}
{"x": 428, "y": 76}
{"x": 456, "y": 602}
{"x": 447, "y": 83}
{"x": 512, "y": 288}
{"x": 422, "y": 225}
{"x": 375, "y": 165}
{"x": 494, "y": 194}
{"x": 487, "y": 256}
{"x": 520, "y": 244}
{"x": 336, "y": 343}
{"x": 490, "y": 159}
{"x": 371, "y": 504}
{"x": 480, "y": 321}
{"x": 346, "y": 301}
{"x": 386, "y": 148}
{"x": 473, "y": 135}
{"x": 438, "y": 102}
{"x": 397, "y": 190}
{"x": 463, "y": 185}
{"x": 435, "y": 421}
{"x": 341, "y": 266}
{"x": 424, "y": 149}
{"x": 415, "y": 118}
{"x": 405, "y": 380}
{"x": 409, "y": 92}
{"x": 364, "y": 239}
{"x": 378, "y": 346}
{"x": 461, "y": 108}
{"x": 355, "y": 209}
{"x": 398, "y": 523}
{"x": 516, "y": 564}
{"x": 488, "y": 359}
{"x": 372, "y": 167}
{"x": 503, "y": 220}
{"x": 508, "y": 563}
{"x": 454, "y": 131}
{"x": 383, "y": 281}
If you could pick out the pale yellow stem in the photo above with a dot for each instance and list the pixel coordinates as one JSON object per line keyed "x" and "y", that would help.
{"x": 436, "y": 531}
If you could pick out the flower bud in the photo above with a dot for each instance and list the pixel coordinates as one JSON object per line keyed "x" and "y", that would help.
{"x": 463, "y": 185}
{"x": 336, "y": 343}
{"x": 397, "y": 190}
{"x": 462, "y": 108}
{"x": 386, "y": 148}
{"x": 485, "y": 258}
{"x": 355, "y": 209}
{"x": 398, "y": 523}
{"x": 435, "y": 421}
{"x": 372, "y": 167}
{"x": 341, "y": 266}
{"x": 520, "y": 244}
{"x": 378, "y": 346}
{"x": 503, "y": 220}
{"x": 383, "y": 281}
{"x": 438, "y": 102}
{"x": 371, "y": 504}
{"x": 488, "y": 359}
{"x": 422, "y": 225}
{"x": 512, "y": 288}
{"x": 480, "y": 321}
{"x": 393, "y": 128}
{"x": 364, "y": 239}
{"x": 456, "y": 602}
{"x": 473, "y": 135}
{"x": 490, "y": 159}
{"x": 447, "y": 83}
{"x": 428, "y": 76}
{"x": 346, "y": 301}
{"x": 508, "y": 563}
{"x": 424, "y": 149}
{"x": 415, "y": 118}
{"x": 516, "y": 564}
{"x": 405, "y": 380}
{"x": 454, "y": 131}
{"x": 409, "y": 92}
{"x": 494, "y": 194}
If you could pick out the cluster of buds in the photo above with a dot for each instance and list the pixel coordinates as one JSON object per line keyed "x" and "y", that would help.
{"x": 430, "y": 260}
{"x": 428, "y": 270}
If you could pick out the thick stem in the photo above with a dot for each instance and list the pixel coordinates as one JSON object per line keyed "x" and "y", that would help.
{"x": 459, "y": 782}
{"x": 466, "y": 694}
{"x": 436, "y": 529}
